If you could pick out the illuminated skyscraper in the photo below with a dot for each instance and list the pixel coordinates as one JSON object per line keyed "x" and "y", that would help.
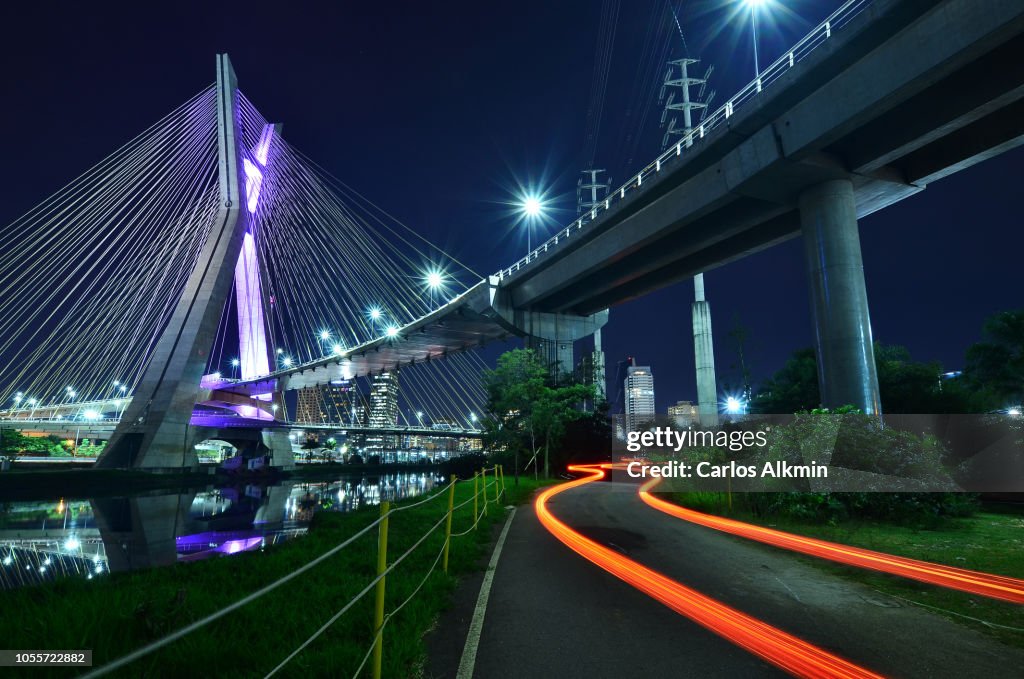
{"x": 383, "y": 411}
{"x": 639, "y": 389}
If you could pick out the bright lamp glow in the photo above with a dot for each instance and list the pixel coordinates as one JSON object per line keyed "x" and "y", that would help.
{"x": 72, "y": 543}
{"x": 392, "y": 331}
{"x": 287, "y": 361}
{"x": 338, "y": 349}
{"x": 234, "y": 362}
{"x": 91, "y": 415}
{"x": 1014, "y": 411}
{"x": 755, "y": 3}
{"x": 733, "y": 405}
{"x": 435, "y": 279}
{"x": 325, "y": 335}
{"x": 532, "y": 206}
{"x": 375, "y": 313}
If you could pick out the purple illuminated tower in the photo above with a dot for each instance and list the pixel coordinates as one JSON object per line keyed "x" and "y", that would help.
{"x": 253, "y": 347}
{"x": 154, "y": 431}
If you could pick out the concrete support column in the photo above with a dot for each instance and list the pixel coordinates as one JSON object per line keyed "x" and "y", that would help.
{"x": 280, "y": 446}
{"x": 557, "y": 354}
{"x": 839, "y": 300}
{"x": 704, "y": 356}
{"x": 599, "y": 377}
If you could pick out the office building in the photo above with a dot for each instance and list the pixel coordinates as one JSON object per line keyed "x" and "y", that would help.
{"x": 639, "y": 391}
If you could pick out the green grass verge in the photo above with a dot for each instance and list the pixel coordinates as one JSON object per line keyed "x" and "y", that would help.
{"x": 988, "y": 541}
{"x": 121, "y": 612}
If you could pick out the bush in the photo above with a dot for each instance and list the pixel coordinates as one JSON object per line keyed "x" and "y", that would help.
{"x": 923, "y": 510}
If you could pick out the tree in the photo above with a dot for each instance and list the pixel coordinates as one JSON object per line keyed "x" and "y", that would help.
{"x": 557, "y": 407}
{"x": 905, "y": 385}
{"x": 513, "y": 388}
{"x": 994, "y": 367}
{"x": 792, "y": 389}
{"x": 527, "y": 409}
{"x": 310, "y": 445}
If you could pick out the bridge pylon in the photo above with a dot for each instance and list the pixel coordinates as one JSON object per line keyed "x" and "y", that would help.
{"x": 154, "y": 431}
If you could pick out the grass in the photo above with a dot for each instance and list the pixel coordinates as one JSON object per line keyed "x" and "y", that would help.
{"x": 122, "y": 612}
{"x": 989, "y": 541}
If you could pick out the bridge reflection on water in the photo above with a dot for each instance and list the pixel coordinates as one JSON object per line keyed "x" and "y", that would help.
{"x": 42, "y": 541}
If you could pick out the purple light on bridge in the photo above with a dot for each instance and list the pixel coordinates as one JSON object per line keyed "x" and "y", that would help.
{"x": 263, "y": 148}
{"x": 236, "y": 546}
{"x": 253, "y": 181}
{"x": 252, "y": 334}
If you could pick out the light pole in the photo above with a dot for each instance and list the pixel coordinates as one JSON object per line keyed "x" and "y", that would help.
{"x": 234, "y": 367}
{"x": 325, "y": 339}
{"x": 435, "y": 279}
{"x": 754, "y": 6}
{"x": 375, "y": 314}
{"x": 532, "y": 208}
{"x": 735, "y": 406}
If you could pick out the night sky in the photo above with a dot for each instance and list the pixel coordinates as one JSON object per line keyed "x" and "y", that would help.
{"x": 438, "y": 111}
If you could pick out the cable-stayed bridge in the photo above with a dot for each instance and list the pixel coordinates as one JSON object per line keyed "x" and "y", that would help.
{"x": 209, "y": 226}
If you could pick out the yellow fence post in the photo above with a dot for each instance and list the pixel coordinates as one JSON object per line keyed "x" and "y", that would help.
{"x": 476, "y": 491}
{"x": 382, "y": 564}
{"x": 483, "y": 487}
{"x": 448, "y": 523}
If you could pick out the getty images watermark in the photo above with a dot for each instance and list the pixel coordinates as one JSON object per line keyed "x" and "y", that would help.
{"x": 823, "y": 453}
{"x": 734, "y": 441}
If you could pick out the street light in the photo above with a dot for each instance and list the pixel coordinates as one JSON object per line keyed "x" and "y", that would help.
{"x": 375, "y": 314}
{"x": 286, "y": 361}
{"x": 392, "y": 331}
{"x": 338, "y": 350}
{"x": 234, "y": 367}
{"x": 532, "y": 208}
{"x": 325, "y": 335}
{"x": 435, "y": 281}
{"x": 734, "y": 406}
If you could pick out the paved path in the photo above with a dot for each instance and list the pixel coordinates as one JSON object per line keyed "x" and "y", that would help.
{"x": 552, "y": 613}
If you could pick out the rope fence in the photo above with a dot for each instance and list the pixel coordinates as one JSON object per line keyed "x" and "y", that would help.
{"x": 480, "y": 501}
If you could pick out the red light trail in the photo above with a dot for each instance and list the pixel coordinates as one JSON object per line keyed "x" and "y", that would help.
{"x": 781, "y": 649}
{"x": 975, "y": 582}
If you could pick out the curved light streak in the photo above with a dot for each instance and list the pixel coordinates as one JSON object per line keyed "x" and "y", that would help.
{"x": 777, "y": 647}
{"x": 975, "y": 582}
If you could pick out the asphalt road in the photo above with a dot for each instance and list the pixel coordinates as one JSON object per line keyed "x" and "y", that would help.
{"x": 554, "y": 614}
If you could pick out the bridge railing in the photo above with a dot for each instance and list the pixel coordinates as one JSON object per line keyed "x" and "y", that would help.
{"x": 817, "y": 37}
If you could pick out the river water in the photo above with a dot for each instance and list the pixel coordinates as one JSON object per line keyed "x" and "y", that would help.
{"x": 88, "y": 538}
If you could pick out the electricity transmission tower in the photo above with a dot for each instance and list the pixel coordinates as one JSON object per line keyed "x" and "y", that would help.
{"x": 682, "y": 102}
